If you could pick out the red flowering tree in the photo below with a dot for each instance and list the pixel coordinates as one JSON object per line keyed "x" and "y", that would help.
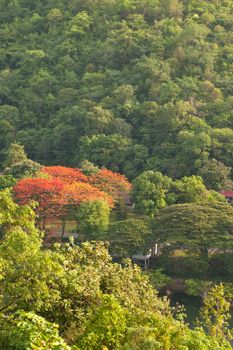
{"x": 73, "y": 195}
{"x": 55, "y": 198}
{"x": 116, "y": 185}
{"x": 78, "y": 192}
{"x": 46, "y": 192}
{"x": 66, "y": 188}
{"x": 67, "y": 175}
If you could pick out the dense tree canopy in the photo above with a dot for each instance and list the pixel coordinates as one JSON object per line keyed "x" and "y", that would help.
{"x": 153, "y": 191}
{"x": 17, "y": 164}
{"x": 93, "y": 92}
{"x": 46, "y": 193}
{"x": 129, "y": 85}
{"x": 65, "y": 174}
{"x": 129, "y": 237}
{"x": 196, "y": 226}
{"x": 113, "y": 183}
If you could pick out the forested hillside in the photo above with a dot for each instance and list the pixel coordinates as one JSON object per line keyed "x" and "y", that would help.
{"x": 116, "y": 150}
{"x": 131, "y": 85}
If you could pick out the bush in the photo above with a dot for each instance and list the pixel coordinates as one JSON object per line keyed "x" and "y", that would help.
{"x": 221, "y": 264}
{"x": 182, "y": 266}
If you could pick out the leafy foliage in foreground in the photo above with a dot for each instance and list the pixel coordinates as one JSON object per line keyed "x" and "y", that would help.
{"x": 78, "y": 292}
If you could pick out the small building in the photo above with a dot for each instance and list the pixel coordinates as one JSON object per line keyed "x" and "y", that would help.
{"x": 228, "y": 194}
{"x": 144, "y": 259}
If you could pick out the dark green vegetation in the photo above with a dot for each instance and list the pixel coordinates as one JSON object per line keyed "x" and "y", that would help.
{"x": 127, "y": 84}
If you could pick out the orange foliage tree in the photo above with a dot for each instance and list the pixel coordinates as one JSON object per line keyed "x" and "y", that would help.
{"x": 46, "y": 192}
{"x": 55, "y": 198}
{"x": 116, "y": 185}
{"x": 67, "y": 175}
{"x": 66, "y": 188}
{"x": 78, "y": 192}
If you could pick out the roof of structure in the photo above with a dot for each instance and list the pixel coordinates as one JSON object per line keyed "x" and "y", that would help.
{"x": 227, "y": 193}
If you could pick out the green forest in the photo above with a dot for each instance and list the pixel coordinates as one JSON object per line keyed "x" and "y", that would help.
{"x": 116, "y": 174}
{"x": 131, "y": 85}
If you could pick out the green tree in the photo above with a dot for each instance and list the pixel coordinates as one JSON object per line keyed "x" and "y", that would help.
{"x": 6, "y": 136}
{"x": 215, "y": 174}
{"x": 94, "y": 302}
{"x": 135, "y": 161}
{"x": 29, "y": 331}
{"x": 108, "y": 151}
{"x": 6, "y": 181}
{"x": 149, "y": 192}
{"x": 88, "y": 168}
{"x": 172, "y": 8}
{"x": 93, "y": 218}
{"x": 191, "y": 189}
{"x": 195, "y": 226}
{"x": 15, "y": 154}
{"x": 27, "y": 168}
{"x": 221, "y": 145}
{"x": 17, "y": 164}
{"x": 128, "y": 237}
{"x": 14, "y": 216}
{"x": 107, "y": 327}
{"x": 120, "y": 56}
{"x": 215, "y": 313}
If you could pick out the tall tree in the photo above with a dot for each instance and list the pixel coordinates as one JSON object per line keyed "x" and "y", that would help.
{"x": 215, "y": 313}
{"x": 17, "y": 164}
{"x": 196, "y": 226}
{"x": 46, "y": 192}
{"x": 215, "y": 174}
{"x": 149, "y": 192}
{"x": 115, "y": 184}
{"x": 65, "y": 174}
{"x": 15, "y": 154}
{"x": 92, "y": 218}
{"x": 129, "y": 237}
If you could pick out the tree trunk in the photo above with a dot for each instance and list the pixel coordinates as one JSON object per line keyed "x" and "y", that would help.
{"x": 204, "y": 252}
{"x": 63, "y": 226}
